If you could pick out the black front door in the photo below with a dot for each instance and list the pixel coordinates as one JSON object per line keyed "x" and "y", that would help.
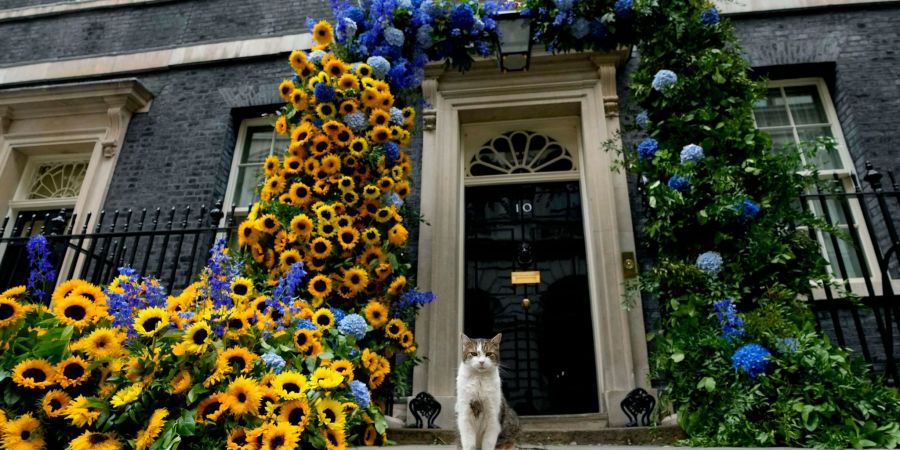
{"x": 547, "y": 350}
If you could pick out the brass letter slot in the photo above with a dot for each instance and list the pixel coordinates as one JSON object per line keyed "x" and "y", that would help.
{"x": 629, "y": 264}
{"x": 531, "y": 277}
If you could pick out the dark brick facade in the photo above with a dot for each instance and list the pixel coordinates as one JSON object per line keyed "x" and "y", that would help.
{"x": 9, "y": 4}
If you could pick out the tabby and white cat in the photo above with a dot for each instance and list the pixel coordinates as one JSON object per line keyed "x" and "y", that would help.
{"x": 483, "y": 418}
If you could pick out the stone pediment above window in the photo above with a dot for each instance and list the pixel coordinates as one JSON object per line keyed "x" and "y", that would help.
{"x": 520, "y": 152}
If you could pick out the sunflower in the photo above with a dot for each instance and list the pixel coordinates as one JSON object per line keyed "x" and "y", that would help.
{"x": 358, "y": 147}
{"x": 379, "y": 117}
{"x": 356, "y": 279}
{"x": 376, "y": 379}
{"x": 126, "y": 395}
{"x": 238, "y": 324}
{"x": 347, "y": 81}
{"x": 151, "y": 321}
{"x": 244, "y": 396}
{"x": 395, "y": 328}
{"x": 74, "y": 310}
{"x": 383, "y": 271}
{"x": 402, "y": 189}
{"x": 238, "y": 440}
{"x": 22, "y": 433}
{"x": 320, "y": 247}
{"x": 323, "y": 318}
{"x": 302, "y": 133}
{"x": 81, "y": 413}
{"x": 335, "y": 439}
{"x": 370, "y": 97}
{"x": 181, "y": 382}
{"x": 370, "y": 435}
{"x": 326, "y": 378}
{"x": 281, "y": 126}
{"x": 385, "y": 100}
{"x": 268, "y": 224}
{"x": 289, "y": 258}
{"x": 297, "y": 59}
{"x": 322, "y": 32}
{"x": 10, "y": 311}
{"x": 304, "y": 339}
{"x": 281, "y": 436}
{"x": 197, "y": 337}
{"x": 147, "y": 436}
{"x": 321, "y": 145}
{"x": 330, "y": 413}
{"x": 14, "y": 292}
{"x": 344, "y": 368}
{"x": 267, "y": 395}
{"x": 72, "y": 371}
{"x": 241, "y": 288}
{"x": 326, "y": 111}
{"x": 290, "y": 385}
{"x": 319, "y": 286}
{"x": 238, "y": 358}
{"x": 54, "y": 402}
{"x": 299, "y": 99}
{"x": 295, "y": 412}
{"x": 285, "y": 88}
{"x": 407, "y": 339}
{"x": 247, "y": 233}
{"x": 34, "y": 374}
{"x": 331, "y": 164}
{"x": 376, "y": 313}
{"x": 337, "y": 69}
{"x": 380, "y": 134}
{"x": 397, "y": 285}
{"x": 397, "y": 235}
{"x": 348, "y": 237}
{"x": 92, "y": 440}
{"x": 384, "y": 214}
{"x": 212, "y": 407}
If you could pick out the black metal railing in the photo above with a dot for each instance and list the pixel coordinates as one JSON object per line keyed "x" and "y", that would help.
{"x": 170, "y": 245}
{"x": 861, "y": 312}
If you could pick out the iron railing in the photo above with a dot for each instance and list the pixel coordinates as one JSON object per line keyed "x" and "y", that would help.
{"x": 169, "y": 245}
{"x": 861, "y": 311}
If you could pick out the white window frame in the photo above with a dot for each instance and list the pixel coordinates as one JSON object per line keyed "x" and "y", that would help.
{"x": 857, "y": 285}
{"x": 239, "y": 145}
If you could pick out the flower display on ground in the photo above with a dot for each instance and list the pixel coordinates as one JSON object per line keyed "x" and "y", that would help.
{"x": 751, "y": 359}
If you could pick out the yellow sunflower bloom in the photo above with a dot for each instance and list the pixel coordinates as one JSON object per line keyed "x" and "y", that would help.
{"x": 22, "y": 433}
{"x": 148, "y": 435}
{"x": 295, "y": 412}
{"x": 247, "y": 233}
{"x": 80, "y": 413}
{"x": 127, "y": 395}
{"x": 321, "y": 145}
{"x": 10, "y": 311}
{"x": 72, "y": 371}
{"x": 348, "y": 237}
{"x": 376, "y": 313}
{"x": 370, "y": 97}
{"x": 241, "y": 288}
{"x": 238, "y": 439}
{"x": 15, "y": 291}
{"x": 385, "y": 184}
{"x": 180, "y": 383}
{"x": 335, "y": 439}
{"x": 289, "y": 258}
{"x": 300, "y": 194}
{"x": 297, "y": 59}
{"x": 356, "y": 278}
{"x": 151, "y": 321}
{"x": 326, "y": 111}
{"x": 320, "y": 247}
{"x": 322, "y": 32}
{"x": 268, "y": 224}
{"x": 244, "y": 396}
{"x": 347, "y": 81}
{"x": 397, "y": 235}
{"x": 290, "y": 385}
{"x": 92, "y": 440}
{"x": 304, "y": 339}
{"x": 375, "y": 380}
{"x": 74, "y": 310}
{"x": 285, "y": 88}
{"x": 54, "y": 402}
{"x": 197, "y": 337}
{"x": 281, "y": 126}
{"x": 383, "y": 271}
{"x": 271, "y": 166}
{"x": 337, "y": 69}
{"x": 397, "y": 285}
{"x": 239, "y": 358}
{"x": 331, "y": 164}
{"x": 358, "y": 147}
{"x": 330, "y": 413}
{"x": 380, "y": 134}
{"x": 323, "y": 318}
{"x": 281, "y": 436}
{"x": 379, "y": 117}
{"x": 395, "y": 328}
{"x": 402, "y": 189}
{"x": 34, "y": 374}
{"x": 212, "y": 407}
{"x": 384, "y": 214}
{"x": 364, "y": 70}
{"x": 326, "y": 378}
{"x": 299, "y": 99}
{"x": 372, "y": 256}
{"x": 302, "y": 225}
{"x": 319, "y": 286}
{"x": 370, "y": 435}
{"x": 343, "y": 367}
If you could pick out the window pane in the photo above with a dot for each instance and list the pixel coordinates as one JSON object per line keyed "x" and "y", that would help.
{"x": 836, "y": 209}
{"x": 805, "y": 104}
{"x": 259, "y": 143}
{"x": 846, "y": 252}
{"x": 248, "y": 178}
{"x": 824, "y": 160}
{"x": 770, "y": 111}
{"x": 781, "y": 137}
{"x": 58, "y": 180}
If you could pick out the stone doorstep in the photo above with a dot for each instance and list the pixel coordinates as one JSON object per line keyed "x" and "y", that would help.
{"x": 531, "y": 438}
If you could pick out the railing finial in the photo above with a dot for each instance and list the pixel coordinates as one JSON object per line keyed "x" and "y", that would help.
{"x": 873, "y": 177}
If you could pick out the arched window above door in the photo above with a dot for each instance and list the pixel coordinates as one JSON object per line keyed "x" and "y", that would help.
{"x": 520, "y": 152}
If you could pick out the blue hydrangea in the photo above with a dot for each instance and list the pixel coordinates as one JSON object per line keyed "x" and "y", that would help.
{"x": 564, "y": 5}
{"x": 360, "y": 393}
{"x": 679, "y": 183}
{"x": 338, "y": 314}
{"x": 354, "y": 13}
{"x": 456, "y": 32}
{"x": 663, "y": 80}
{"x": 42, "y": 271}
{"x": 413, "y": 298}
{"x": 731, "y": 324}
{"x": 273, "y": 361}
{"x": 598, "y": 31}
{"x": 623, "y": 9}
{"x": 647, "y": 148}
{"x": 404, "y": 4}
{"x": 354, "y": 325}
{"x": 391, "y": 198}
{"x": 423, "y": 36}
{"x": 380, "y": 66}
{"x": 787, "y": 345}
{"x": 391, "y": 152}
{"x": 691, "y": 153}
{"x": 710, "y": 262}
{"x": 749, "y": 210}
{"x": 396, "y": 116}
{"x": 356, "y": 121}
{"x": 751, "y": 359}
{"x": 462, "y": 17}
{"x": 316, "y": 56}
{"x": 642, "y": 120}
{"x": 394, "y": 36}
{"x": 709, "y": 16}
{"x": 581, "y": 28}
{"x": 323, "y": 92}
{"x": 305, "y": 324}
{"x": 349, "y": 27}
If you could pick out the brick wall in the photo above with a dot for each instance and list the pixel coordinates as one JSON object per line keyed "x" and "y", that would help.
{"x": 9, "y": 4}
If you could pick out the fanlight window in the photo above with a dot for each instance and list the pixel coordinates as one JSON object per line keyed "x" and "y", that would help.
{"x": 57, "y": 180}
{"x": 519, "y": 152}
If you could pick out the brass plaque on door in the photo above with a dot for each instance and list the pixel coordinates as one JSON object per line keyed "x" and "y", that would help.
{"x": 529, "y": 277}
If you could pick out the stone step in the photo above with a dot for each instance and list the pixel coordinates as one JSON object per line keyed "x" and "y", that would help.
{"x": 540, "y": 436}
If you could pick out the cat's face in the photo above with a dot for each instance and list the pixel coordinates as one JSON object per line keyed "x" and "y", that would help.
{"x": 481, "y": 355}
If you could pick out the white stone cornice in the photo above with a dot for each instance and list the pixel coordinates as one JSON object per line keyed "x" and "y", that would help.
{"x": 74, "y": 98}
{"x": 755, "y": 6}
{"x": 68, "y": 7}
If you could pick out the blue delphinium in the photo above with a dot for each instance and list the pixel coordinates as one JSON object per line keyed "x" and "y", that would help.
{"x": 39, "y": 261}
{"x": 691, "y": 153}
{"x": 391, "y": 152}
{"x": 663, "y": 80}
{"x": 647, "y": 148}
{"x": 642, "y": 120}
{"x": 316, "y": 56}
{"x": 749, "y": 210}
{"x": 273, "y": 361}
{"x": 338, "y": 314}
{"x": 393, "y": 36}
{"x": 281, "y": 300}
{"x": 357, "y": 121}
{"x": 751, "y": 359}
{"x": 732, "y": 325}
{"x": 354, "y": 325}
{"x": 710, "y": 262}
{"x": 360, "y": 393}
{"x": 709, "y": 16}
{"x": 414, "y": 298}
{"x": 323, "y": 92}
{"x": 679, "y": 183}
{"x": 623, "y": 9}
{"x": 219, "y": 272}
{"x": 380, "y": 66}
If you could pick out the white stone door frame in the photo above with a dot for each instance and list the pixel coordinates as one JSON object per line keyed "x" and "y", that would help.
{"x": 556, "y": 85}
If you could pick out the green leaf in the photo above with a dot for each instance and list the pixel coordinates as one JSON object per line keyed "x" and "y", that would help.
{"x": 326, "y": 354}
{"x": 196, "y": 391}
{"x": 380, "y": 424}
{"x": 707, "y": 383}
{"x": 677, "y": 357}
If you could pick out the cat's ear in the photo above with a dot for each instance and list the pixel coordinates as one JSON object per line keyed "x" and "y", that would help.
{"x": 496, "y": 339}
{"x": 465, "y": 339}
